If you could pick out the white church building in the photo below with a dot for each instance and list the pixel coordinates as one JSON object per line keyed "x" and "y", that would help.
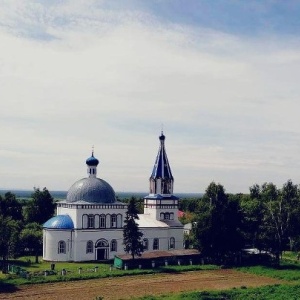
{"x": 89, "y": 223}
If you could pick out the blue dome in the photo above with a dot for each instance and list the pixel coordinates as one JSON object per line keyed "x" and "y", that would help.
{"x": 60, "y": 222}
{"x": 92, "y": 161}
{"x": 92, "y": 190}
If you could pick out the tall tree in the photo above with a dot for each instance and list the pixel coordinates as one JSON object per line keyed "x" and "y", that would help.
{"x": 31, "y": 239}
{"x": 280, "y": 219}
{"x": 217, "y": 224}
{"x": 40, "y": 208}
{"x": 252, "y": 209}
{"x": 9, "y": 237}
{"x": 132, "y": 236}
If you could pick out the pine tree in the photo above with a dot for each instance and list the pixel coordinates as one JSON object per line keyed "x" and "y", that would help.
{"x": 131, "y": 233}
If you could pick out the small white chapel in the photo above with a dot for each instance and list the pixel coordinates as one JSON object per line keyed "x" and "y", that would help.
{"x": 89, "y": 223}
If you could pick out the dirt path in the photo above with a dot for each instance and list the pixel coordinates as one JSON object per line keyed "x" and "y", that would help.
{"x": 134, "y": 286}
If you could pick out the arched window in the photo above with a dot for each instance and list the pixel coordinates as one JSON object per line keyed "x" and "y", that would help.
{"x": 167, "y": 216}
{"x": 172, "y": 243}
{"x": 102, "y": 221}
{"x": 113, "y": 221}
{"x": 171, "y": 216}
{"x": 145, "y": 244}
{"x": 101, "y": 243}
{"x": 91, "y": 221}
{"x": 119, "y": 221}
{"x": 155, "y": 244}
{"x": 89, "y": 247}
{"x": 97, "y": 219}
{"x": 85, "y": 221}
{"x": 113, "y": 245}
{"x": 61, "y": 247}
{"x": 162, "y": 216}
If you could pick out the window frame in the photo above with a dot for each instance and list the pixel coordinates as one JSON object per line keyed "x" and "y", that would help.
{"x": 155, "y": 244}
{"x": 113, "y": 221}
{"x": 172, "y": 243}
{"x": 91, "y": 221}
{"x": 61, "y": 247}
{"x": 113, "y": 246}
{"x": 102, "y": 221}
{"x": 89, "y": 247}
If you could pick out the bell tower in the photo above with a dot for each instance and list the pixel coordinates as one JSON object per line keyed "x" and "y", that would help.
{"x": 161, "y": 204}
{"x": 161, "y": 180}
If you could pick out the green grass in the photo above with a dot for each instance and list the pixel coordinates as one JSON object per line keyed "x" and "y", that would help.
{"x": 286, "y": 271}
{"x": 44, "y": 265}
{"x": 274, "y": 292}
{"x": 87, "y": 271}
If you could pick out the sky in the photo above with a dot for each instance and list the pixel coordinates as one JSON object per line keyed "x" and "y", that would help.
{"x": 221, "y": 78}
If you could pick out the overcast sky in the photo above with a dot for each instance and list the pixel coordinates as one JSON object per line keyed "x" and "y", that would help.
{"x": 221, "y": 76}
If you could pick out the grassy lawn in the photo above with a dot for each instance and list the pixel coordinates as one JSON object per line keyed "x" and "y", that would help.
{"x": 88, "y": 271}
{"x": 286, "y": 271}
{"x": 289, "y": 268}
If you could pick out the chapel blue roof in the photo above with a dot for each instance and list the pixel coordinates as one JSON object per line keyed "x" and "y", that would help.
{"x": 92, "y": 161}
{"x": 161, "y": 167}
{"x": 60, "y": 222}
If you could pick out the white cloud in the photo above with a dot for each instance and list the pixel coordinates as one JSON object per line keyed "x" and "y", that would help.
{"x": 73, "y": 75}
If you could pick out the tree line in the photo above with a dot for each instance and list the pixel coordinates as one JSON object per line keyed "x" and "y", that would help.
{"x": 267, "y": 219}
{"x": 21, "y": 223}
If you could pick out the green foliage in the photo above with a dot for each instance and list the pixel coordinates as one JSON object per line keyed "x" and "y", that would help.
{"x": 139, "y": 203}
{"x": 11, "y": 207}
{"x": 188, "y": 204}
{"x": 275, "y": 216}
{"x": 267, "y": 219}
{"x": 31, "y": 239}
{"x": 40, "y": 208}
{"x": 16, "y": 230}
{"x": 9, "y": 237}
{"x": 217, "y": 224}
{"x": 131, "y": 234}
{"x": 252, "y": 218}
{"x": 286, "y": 271}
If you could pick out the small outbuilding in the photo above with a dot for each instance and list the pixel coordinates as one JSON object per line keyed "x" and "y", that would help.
{"x": 158, "y": 258}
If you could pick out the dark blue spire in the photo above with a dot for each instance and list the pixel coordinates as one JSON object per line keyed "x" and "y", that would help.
{"x": 162, "y": 168}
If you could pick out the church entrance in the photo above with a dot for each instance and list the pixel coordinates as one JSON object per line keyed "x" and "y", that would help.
{"x": 102, "y": 249}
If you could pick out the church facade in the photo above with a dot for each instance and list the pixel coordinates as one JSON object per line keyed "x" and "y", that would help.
{"x": 89, "y": 223}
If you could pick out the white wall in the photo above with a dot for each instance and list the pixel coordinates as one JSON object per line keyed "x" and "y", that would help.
{"x": 83, "y": 236}
{"x": 50, "y": 246}
{"x": 76, "y": 242}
